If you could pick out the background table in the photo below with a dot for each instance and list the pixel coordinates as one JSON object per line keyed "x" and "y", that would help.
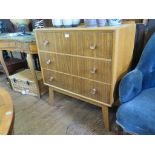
{"x": 14, "y": 43}
{"x": 6, "y": 113}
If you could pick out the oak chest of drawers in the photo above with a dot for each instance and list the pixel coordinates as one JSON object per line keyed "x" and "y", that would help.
{"x": 86, "y": 63}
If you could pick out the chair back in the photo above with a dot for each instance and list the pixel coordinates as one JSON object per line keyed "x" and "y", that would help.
{"x": 147, "y": 64}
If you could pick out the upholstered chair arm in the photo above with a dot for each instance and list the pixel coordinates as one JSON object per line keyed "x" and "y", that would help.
{"x": 130, "y": 86}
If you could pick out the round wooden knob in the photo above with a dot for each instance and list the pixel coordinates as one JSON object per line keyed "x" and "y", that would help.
{"x": 51, "y": 79}
{"x": 93, "y": 91}
{"x": 92, "y": 46}
{"x": 48, "y": 61}
{"x": 45, "y": 42}
{"x": 93, "y": 70}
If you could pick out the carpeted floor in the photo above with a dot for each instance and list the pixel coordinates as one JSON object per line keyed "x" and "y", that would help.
{"x": 69, "y": 116}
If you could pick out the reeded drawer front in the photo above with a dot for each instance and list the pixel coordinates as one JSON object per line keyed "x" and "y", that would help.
{"x": 97, "y": 44}
{"x": 57, "y": 41}
{"x": 87, "y": 88}
{"x": 98, "y": 70}
{"x": 91, "y": 43}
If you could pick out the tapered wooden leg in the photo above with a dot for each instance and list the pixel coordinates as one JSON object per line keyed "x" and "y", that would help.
{"x": 51, "y": 96}
{"x": 105, "y": 112}
{"x": 3, "y": 63}
{"x": 33, "y": 72}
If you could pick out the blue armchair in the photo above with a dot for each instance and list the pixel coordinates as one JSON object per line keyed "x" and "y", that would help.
{"x": 136, "y": 115}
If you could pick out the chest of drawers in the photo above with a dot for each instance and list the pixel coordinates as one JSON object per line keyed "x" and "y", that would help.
{"x": 86, "y": 63}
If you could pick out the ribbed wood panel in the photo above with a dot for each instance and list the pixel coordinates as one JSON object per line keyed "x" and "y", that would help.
{"x": 98, "y": 70}
{"x": 78, "y": 85}
{"x": 78, "y": 43}
{"x": 103, "y": 42}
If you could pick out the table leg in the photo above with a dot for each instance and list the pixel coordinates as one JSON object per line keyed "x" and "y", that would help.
{"x": 105, "y": 112}
{"x": 31, "y": 66}
{"x": 3, "y": 63}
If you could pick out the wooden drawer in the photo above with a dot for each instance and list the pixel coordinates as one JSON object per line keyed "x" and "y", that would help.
{"x": 15, "y": 45}
{"x": 87, "y": 88}
{"x": 97, "y": 44}
{"x": 90, "y": 44}
{"x": 60, "y": 42}
{"x": 9, "y": 44}
{"x": 98, "y": 70}
{"x": 33, "y": 48}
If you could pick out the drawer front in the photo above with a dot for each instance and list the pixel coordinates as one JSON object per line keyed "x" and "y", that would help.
{"x": 59, "y": 42}
{"x": 90, "y": 44}
{"x": 97, "y": 44}
{"x": 98, "y": 70}
{"x": 9, "y": 44}
{"x": 14, "y": 45}
{"x": 87, "y": 88}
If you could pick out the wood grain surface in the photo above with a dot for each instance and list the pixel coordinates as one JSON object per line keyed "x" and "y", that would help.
{"x": 6, "y": 112}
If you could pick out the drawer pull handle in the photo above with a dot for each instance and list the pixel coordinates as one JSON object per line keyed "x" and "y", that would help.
{"x": 93, "y": 91}
{"x": 45, "y": 42}
{"x": 48, "y": 62}
{"x": 51, "y": 79}
{"x": 93, "y": 71}
{"x": 92, "y": 46}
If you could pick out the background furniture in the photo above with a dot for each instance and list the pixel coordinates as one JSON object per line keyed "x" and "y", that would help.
{"x": 40, "y": 23}
{"x": 13, "y": 64}
{"x": 137, "y": 94}
{"x": 23, "y": 82}
{"x": 149, "y": 29}
{"x": 25, "y": 44}
{"x": 6, "y": 113}
{"x": 139, "y": 44}
{"x": 86, "y": 63}
{"x": 143, "y": 33}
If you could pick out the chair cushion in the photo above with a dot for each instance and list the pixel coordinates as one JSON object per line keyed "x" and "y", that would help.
{"x": 138, "y": 115}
